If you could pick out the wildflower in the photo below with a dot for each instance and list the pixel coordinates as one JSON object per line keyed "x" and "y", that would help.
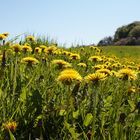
{"x": 10, "y": 126}
{"x": 82, "y": 49}
{"x": 105, "y": 71}
{"x": 107, "y": 63}
{"x": 131, "y": 63}
{"x": 110, "y": 59}
{"x": 82, "y": 65}
{"x": 127, "y": 74}
{"x": 43, "y": 47}
{"x": 50, "y": 50}
{"x": 131, "y": 89}
{"x": 114, "y": 73}
{"x": 116, "y": 65}
{"x": 68, "y": 76}
{"x": 98, "y": 51}
{"x": 74, "y": 56}
{"x": 58, "y": 51}
{"x": 95, "y": 58}
{"x": 16, "y": 48}
{"x": 29, "y": 60}
{"x": 130, "y": 67}
{"x": 6, "y": 34}
{"x": 93, "y": 47}
{"x": 123, "y": 66}
{"x": 30, "y": 38}
{"x": 109, "y": 67}
{"x": 2, "y": 36}
{"x": 97, "y": 67}
{"x": 95, "y": 77}
{"x": 61, "y": 63}
{"x": 66, "y": 53}
{"x": 37, "y": 50}
{"x": 26, "y": 48}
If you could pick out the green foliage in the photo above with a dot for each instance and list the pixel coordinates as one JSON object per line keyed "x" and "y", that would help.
{"x": 128, "y": 34}
{"x": 135, "y": 32}
{"x": 11, "y": 136}
{"x": 45, "y": 108}
{"x": 88, "y": 119}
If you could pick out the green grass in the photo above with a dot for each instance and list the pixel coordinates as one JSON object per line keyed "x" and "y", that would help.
{"x": 46, "y": 108}
{"x": 132, "y": 52}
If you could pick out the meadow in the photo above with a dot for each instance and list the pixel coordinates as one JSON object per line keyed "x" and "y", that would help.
{"x": 52, "y": 93}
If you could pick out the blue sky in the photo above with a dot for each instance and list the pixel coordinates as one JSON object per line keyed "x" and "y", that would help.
{"x": 68, "y": 21}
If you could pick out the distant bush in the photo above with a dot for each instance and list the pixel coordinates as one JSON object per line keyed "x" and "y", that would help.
{"x": 125, "y": 35}
{"x": 106, "y": 41}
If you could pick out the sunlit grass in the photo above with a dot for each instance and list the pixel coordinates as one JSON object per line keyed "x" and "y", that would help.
{"x": 56, "y": 93}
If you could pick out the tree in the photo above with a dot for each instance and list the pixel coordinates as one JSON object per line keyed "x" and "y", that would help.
{"x": 135, "y": 32}
{"x": 106, "y": 41}
{"x": 128, "y": 34}
{"x": 121, "y": 32}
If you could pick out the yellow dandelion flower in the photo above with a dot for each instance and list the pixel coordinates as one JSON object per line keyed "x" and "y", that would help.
{"x": 97, "y": 67}
{"x": 67, "y": 76}
{"x": 131, "y": 63}
{"x": 82, "y": 65}
{"x": 11, "y": 125}
{"x": 123, "y": 66}
{"x": 127, "y": 74}
{"x": 114, "y": 73}
{"x": 109, "y": 67}
{"x": 95, "y": 58}
{"x": 103, "y": 57}
{"x": 61, "y": 63}
{"x": 57, "y": 52}
{"x": 95, "y": 77}
{"x": 29, "y": 60}
{"x": 130, "y": 67}
{"x": 98, "y": 50}
{"x": 93, "y": 47}
{"x": 110, "y": 59}
{"x": 37, "y": 50}
{"x": 30, "y": 38}
{"x": 105, "y": 71}
{"x": 74, "y": 56}
{"x": 43, "y": 47}
{"x": 50, "y": 50}
{"x": 16, "y": 48}
{"x": 82, "y": 49}
{"x": 116, "y": 65}
{"x": 27, "y": 44}
{"x": 65, "y": 52}
{"x": 2, "y": 36}
{"x": 26, "y": 48}
{"x": 107, "y": 63}
{"x": 131, "y": 89}
{"x": 6, "y": 34}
